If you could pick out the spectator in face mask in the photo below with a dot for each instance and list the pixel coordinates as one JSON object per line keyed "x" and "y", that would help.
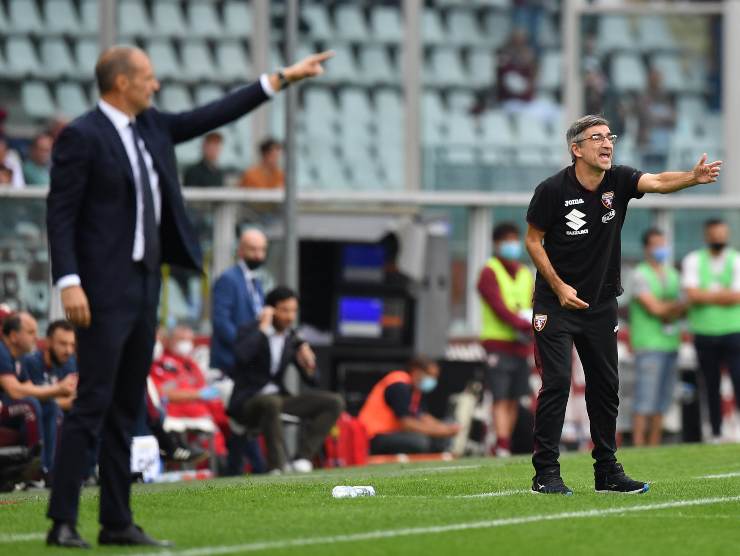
{"x": 654, "y": 310}
{"x": 505, "y": 286}
{"x": 238, "y": 298}
{"x": 395, "y": 417}
{"x": 711, "y": 278}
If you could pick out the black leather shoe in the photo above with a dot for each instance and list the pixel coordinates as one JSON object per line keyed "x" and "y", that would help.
{"x": 133, "y": 535}
{"x": 64, "y": 534}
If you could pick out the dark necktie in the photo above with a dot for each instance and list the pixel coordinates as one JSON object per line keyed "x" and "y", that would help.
{"x": 152, "y": 258}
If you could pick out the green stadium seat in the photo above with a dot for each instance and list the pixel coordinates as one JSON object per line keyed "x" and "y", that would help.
{"x": 550, "y": 75}
{"x": 237, "y": 19}
{"x": 207, "y": 92}
{"x": 355, "y": 107}
{"x": 497, "y": 27}
{"x": 168, "y": 19}
{"x": 444, "y": 68}
{"x": 89, "y": 17}
{"x": 654, "y": 34}
{"x": 377, "y": 68}
{"x": 56, "y": 59}
{"x": 163, "y": 57}
{"x": 188, "y": 153}
{"x": 317, "y": 18}
{"x": 71, "y": 99}
{"x": 461, "y": 130}
{"x": 21, "y": 57}
{"x": 232, "y": 63}
{"x": 463, "y": 27}
{"x": 87, "y": 56}
{"x": 61, "y": 18}
{"x": 133, "y": 20}
{"x": 4, "y": 22}
{"x": 615, "y": 33}
{"x": 628, "y": 73}
{"x": 461, "y": 101}
{"x": 175, "y": 98}
{"x": 350, "y": 23}
{"x": 386, "y": 24}
{"x": 198, "y": 61}
{"x": 203, "y": 20}
{"x": 481, "y": 64}
{"x": 432, "y": 31}
{"x": 25, "y": 17}
{"x": 342, "y": 68}
{"x": 36, "y": 100}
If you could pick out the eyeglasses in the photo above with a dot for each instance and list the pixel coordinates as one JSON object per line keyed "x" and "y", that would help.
{"x": 598, "y": 138}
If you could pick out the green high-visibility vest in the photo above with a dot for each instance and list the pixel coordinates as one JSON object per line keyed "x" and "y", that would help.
{"x": 516, "y": 293}
{"x": 715, "y": 320}
{"x": 648, "y": 332}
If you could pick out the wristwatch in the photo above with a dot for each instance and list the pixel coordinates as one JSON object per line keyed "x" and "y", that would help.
{"x": 284, "y": 83}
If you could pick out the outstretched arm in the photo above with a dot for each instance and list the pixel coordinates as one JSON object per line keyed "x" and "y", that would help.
{"x": 668, "y": 182}
{"x": 567, "y": 295}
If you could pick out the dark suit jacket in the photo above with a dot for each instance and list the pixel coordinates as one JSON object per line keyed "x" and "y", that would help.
{"x": 231, "y": 308}
{"x": 91, "y": 207}
{"x": 253, "y": 361}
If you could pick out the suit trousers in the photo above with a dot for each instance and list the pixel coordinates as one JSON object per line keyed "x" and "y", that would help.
{"x": 114, "y": 357}
{"x": 317, "y": 410}
{"x": 594, "y": 333}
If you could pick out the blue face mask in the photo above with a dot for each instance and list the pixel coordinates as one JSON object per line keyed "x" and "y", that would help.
{"x": 510, "y": 250}
{"x": 660, "y": 254}
{"x": 428, "y": 383}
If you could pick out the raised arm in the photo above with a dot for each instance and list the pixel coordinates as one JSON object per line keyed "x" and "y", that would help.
{"x": 567, "y": 295}
{"x": 668, "y": 182}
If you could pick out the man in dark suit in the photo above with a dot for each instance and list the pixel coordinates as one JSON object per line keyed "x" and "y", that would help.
{"x": 114, "y": 214}
{"x": 238, "y": 298}
{"x": 263, "y": 351}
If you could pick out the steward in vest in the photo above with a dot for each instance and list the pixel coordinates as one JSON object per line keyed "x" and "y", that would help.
{"x": 654, "y": 311}
{"x": 505, "y": 286}
{"x": 394, "y": 415}
{"x": 711, "y": 278}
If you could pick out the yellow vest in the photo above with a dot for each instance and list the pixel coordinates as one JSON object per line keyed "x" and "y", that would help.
{"x": 516, "y": 293}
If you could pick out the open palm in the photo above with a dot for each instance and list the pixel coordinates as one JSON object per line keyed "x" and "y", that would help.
{"x": 707, "y": 173}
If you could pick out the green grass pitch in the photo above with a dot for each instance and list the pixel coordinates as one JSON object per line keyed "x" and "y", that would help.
{"x": 469, "y": 506}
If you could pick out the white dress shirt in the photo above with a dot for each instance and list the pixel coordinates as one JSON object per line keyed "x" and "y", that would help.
{"x": 122, "y": 122}
{"x": 277, "y": 345}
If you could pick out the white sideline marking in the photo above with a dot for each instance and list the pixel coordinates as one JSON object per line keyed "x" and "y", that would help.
{"x": 22, "y": 537}
{"x": 391, "y": 533}
{"x": 492, "y": 494}
{"x": 720, "y": 475}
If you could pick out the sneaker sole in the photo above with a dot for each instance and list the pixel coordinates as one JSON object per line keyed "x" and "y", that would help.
{"x": 642, "y": 490}
{"x": 531, "y": 491}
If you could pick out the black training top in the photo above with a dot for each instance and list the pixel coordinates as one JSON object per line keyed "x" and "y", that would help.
{"x": 582, "y": 231}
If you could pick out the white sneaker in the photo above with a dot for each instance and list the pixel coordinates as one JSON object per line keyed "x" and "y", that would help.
{"x": 503, "y": 453}
{"x": 302, "y": 466}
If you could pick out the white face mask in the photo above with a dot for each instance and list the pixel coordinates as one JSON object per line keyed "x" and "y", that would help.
{"x": 183, "y": 348}
{"x": 158, "y": 350}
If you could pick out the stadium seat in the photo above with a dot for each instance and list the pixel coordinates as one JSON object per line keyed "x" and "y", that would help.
{"x": 432, "y": 106}
{"x": 461, "y": 129}
{"x": 690, "y": 108}
{"x": 534, "y": 133}
{"x": 342, "y": 68}
{"x": 25, "y": 17}
{"x": 432, "y": 31}
{"x": 671, "y": 70}
{"x": 188, "y": 153}
{"x": 237, "y": 19}
{"x": 164, "y": 59}
{"x": 89, "y": 17}
{"x": 232, "y": 63}
{"x": 133, "y": 20}
{"x": 4, "y": 23}
{"x": 199, "y": 64}
{"x": 207, "y": 92}
{"x": 317, "y": 17}
{"x": 363, "y": 172}
{"x": 389, "y": 105}
{"x": 615, "y": 33}
{"x": 482, "y": 62}
{"x": 168, "y": 19}
{"x": 355, "y": 107}
{"x": 61, "y": 17}
{"x": 386, "y": 24}
{"x": 203, "y": 20}
{"x": 377, "y": 68}
{"x": 56, "y": 60}
{"x": 628, "y": 73}
{"x": 175, "y": 98}
{"x": 87, "y": 56}
{"x": 463, "y": 27}
{"x": 350, "y": 23}
{"x": 444, "y": 68}
{"x": 21, "y": 57}
{"x": 550, "y": 73}
{"x": 71, "y": 99}
{"x": 461, "y": 101}
{"x": 496, "y": 129}
{"x": 36, "y": 100}
{"x": 654, "y": 34}
{"x": 497, "y": 27}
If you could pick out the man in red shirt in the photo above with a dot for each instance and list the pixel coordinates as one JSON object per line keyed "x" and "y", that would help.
{"x": 506, "y": 286}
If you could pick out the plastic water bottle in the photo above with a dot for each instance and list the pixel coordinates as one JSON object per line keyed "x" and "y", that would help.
{"x": 352, "y": 491}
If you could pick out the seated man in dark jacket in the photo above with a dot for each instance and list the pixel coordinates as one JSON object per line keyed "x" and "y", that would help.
{"x": 264, "y": 350}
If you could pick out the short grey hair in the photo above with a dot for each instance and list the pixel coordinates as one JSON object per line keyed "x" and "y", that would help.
{"x": 113, "y": 62}
{"x": 579, "y": 126}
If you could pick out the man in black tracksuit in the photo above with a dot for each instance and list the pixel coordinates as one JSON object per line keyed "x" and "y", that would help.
{"x": 575, "y": 219}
